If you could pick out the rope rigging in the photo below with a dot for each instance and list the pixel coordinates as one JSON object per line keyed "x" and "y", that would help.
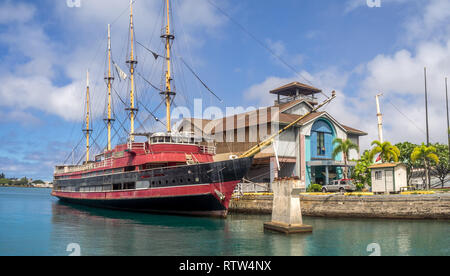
{"x": 187, "y": 66}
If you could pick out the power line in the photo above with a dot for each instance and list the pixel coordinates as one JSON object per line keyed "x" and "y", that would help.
{"x": 411, "y": 121}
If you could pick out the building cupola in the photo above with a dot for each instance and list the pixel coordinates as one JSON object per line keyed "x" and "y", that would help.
{"x": 295, "y": 91}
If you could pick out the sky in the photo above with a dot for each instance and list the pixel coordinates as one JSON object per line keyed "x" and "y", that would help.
{"x": 241, "y": 49}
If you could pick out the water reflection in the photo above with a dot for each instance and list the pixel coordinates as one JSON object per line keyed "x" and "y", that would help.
{"x": 395, "y": 237}
{"x": 105, "y": 232}
{"x": 61, "y": 210}
{"x": 34, "y": 223}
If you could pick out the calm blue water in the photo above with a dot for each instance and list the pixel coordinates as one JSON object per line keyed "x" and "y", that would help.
{"x": 34, "y": 223}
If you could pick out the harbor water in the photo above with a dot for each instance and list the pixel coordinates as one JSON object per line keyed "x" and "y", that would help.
{"x": 32, "y": 222}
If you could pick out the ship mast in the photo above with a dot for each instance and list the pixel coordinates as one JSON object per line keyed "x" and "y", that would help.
{"x": 132, "y": 62}
{"x": 87, "y": 130}
{"x": 168, "y": 93}
{"x": 109, "y": 80}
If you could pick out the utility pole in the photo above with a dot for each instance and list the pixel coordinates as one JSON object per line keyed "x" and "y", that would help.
{"x": 448, "y": 120}
{"x": 380, "y": 118}
{"x": 428, "y": 132}
{"x": 426, "y": 108}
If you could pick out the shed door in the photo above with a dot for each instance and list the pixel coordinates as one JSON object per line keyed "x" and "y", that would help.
{"x": 389, "y": 181}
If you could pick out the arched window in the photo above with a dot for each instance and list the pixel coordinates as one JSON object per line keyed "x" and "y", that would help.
{"x": 321, "y": 140}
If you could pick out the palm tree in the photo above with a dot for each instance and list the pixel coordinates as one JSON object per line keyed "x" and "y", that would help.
{"x": 425, "y": 155}
{"x": 344, "y": 147}
{"x": 387, "y": 151}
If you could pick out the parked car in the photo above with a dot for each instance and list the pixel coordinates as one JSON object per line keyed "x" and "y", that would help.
{"x": 343, "y": 185}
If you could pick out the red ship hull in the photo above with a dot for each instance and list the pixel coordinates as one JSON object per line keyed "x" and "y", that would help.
{"x": 195, "y": 200}
{"x": 203, "y": 189}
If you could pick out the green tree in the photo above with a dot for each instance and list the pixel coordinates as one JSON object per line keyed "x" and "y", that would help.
{"x": 362, "y": 172}
{"x": 344, "y": 147}
{"x": 441, "y": 169}
{"x": 2, "y": 175}
{"x": 23, "y": 181}
{"x": 406, "y": 149}
{"x": 387, "y": 151}
{"x": 425, "y": 155}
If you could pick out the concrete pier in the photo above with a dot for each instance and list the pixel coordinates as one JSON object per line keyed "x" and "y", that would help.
{"x": 286, "y": 211}
{"x": 435, "y": 206}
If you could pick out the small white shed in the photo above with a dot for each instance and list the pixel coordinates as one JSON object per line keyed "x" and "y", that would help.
{"x": 388, "y": 177}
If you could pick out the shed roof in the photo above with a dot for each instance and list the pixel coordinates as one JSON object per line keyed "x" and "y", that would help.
{"x": 386, "y": 165}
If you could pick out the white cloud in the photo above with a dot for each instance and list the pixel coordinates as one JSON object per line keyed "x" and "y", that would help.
{"x": 260, "y": 92}
{"x": 15, "y": 12}
{"x": 431, "y": 23}
{"x": 24, "y": 118}
{"x": 277, "y": 47}
{"x": 39, "y": 93}
{"x": 403, "y": 72}
{"x": 46, "y": 71}
{"x": 327, "y": 80}
{"x": 401, "y": 78}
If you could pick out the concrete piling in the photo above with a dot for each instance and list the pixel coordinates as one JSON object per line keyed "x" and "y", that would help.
{"x": 286, "y": 213}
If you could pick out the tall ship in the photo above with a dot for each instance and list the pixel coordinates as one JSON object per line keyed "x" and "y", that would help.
{"x": 169, "y": 172}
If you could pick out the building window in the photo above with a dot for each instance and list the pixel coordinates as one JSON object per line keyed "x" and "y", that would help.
{"x": 378, "y": 175}
{"x": 321, "y": 143}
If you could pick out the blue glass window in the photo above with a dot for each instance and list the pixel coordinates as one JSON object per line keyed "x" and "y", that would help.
{"x": 321, "y": 151}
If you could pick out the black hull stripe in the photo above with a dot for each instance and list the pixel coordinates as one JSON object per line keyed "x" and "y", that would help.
{"x": 202, "y": 205}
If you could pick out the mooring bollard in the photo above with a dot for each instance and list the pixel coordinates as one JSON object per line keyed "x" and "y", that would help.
{"x": 286, "y": 213}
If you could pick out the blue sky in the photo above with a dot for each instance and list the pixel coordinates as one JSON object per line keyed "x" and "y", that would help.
{"x": 46, "y": 48}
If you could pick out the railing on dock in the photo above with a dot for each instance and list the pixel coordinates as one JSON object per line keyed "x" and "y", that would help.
{"x": 246, "y": 187}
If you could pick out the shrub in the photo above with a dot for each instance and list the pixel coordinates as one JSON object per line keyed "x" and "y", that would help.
{"x": 359, "y": 187}
{"x": 314, "y": 188}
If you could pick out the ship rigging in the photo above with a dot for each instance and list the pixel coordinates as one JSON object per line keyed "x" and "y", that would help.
{"x": 168, "y": 172}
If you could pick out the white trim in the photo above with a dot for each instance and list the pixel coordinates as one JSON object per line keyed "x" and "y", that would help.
{"x": 306, "y": 128}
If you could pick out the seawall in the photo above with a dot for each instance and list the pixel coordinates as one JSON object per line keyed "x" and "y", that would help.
{"x": 391, "y": 207}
